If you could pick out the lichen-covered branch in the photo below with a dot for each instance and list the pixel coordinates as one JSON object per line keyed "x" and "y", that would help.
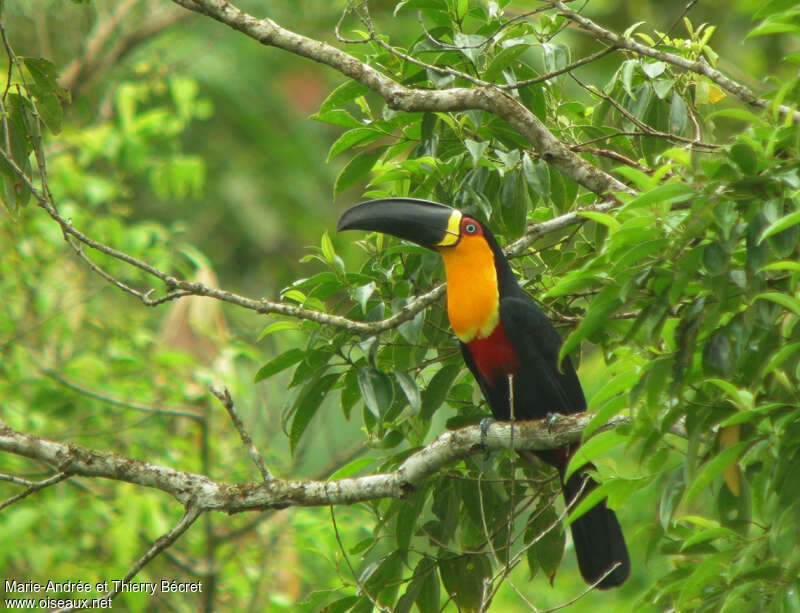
{"x": 177, "y": 288}
{"x": 399, "y": 97}
{"x": 204, "y": 494}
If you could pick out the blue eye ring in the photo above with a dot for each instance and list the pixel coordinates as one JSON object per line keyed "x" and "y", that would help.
{"x": 470, "y": 228}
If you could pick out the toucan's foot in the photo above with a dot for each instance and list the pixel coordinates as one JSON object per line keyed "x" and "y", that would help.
{"x": 550, "y": 420}
{"x": 483, "y": 426}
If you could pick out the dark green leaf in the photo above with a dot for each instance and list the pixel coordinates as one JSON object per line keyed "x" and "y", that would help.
{"x": 279, "y": 363}
{"x": 463, "y": 577}
{"x": 410, "y": 389}
{"x": 355, "y": 170}
{"x": 376, "y": 390}
{"x": 436, "y": 392}
{"x": 502, "y": 60}
{"x": 351, "y": 138}
{"x": 308, "y": 402}
{"x": 745, "y": 158}
{"x": 605, "y": 303}
{"x": 344, "y": 93}
{"x": 714, "y": 469}
{"x": 537, "y": 175}
{"x": 546, "y": 533}
{"x": 678, "y": 114}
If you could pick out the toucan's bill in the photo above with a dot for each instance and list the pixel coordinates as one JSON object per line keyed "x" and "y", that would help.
{"x": 423, "y": 222}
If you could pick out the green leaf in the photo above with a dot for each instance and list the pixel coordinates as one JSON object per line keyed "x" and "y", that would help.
{"x": 619, "y": 489}
{"x": 46, "y": 90}
{"x": 678, "y": 114}
{"x": 710, "y": 534}
{"x": 428, "y": 599}
{"x": 782, "y": 265}
{"x": 774, "y": 26}
{"x": 476, "y": 149}
{"x": 594, "y": 448}
{"x": 344, "y": 93}
{"x": 406, "y": 522}
{"x": 277, "y": 326}
{"x": 376, "y": 390}
{"x": 790, "y": 303}
{"x": 714, "y": 469}
{"x": 351, "y": 138}
{"x": 745, "y": 158}
{"x": 351, "y": 468}
{"x": 337, "y": 117}
{"x": 537, "y": 175}
{"x": 773, "y": 6}
{"x": 276, "y": 365}
{"x": 502, "y": 60}
{"x": 514, "y": 203}
{"x": 783, "y": 354}
{"x": 362, "y": 294}
{"x": 462, "y": 576}
{"x": 779, "y": 225}
{"x": 603, "y": 305}
{"x": 668, "y": 193}
{"x": 355, "y": 169}
{"x": 743, "y": 399}
{"x": 410, "y": 389}
{"x": 602, "y": 218}
{"x": 546, "y": 533}
{"x": 307, "y": 404}
{"x": 704, "y": 574}
{"x": 436, "y": 392}
{"x": 653, "y": 69}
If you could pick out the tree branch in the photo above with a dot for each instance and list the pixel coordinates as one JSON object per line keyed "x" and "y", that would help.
{"x": 204, "y": 494}
{"x": 699, "y": 66}
{"x": 399, "y": 97}
{"x": 226, "y": 401}
{"x": 178, "y": 288}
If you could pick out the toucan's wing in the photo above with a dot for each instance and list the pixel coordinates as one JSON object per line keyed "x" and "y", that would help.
{"x": 539, "y": 387}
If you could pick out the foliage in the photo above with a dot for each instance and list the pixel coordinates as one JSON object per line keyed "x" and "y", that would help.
{"x": 682, "y": 300}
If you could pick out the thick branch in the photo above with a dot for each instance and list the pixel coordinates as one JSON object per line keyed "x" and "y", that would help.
{"x": 204, "y": 494}
{"x": 399, "y": 97}
{"x": 179, "y": 288}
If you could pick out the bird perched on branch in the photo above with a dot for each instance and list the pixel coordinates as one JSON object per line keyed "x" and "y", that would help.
{"x": 510, "y": 347}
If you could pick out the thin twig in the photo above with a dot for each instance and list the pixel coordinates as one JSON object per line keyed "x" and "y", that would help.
{"x": 684, "y": 12}
{"x": 120, "y": 403}
{"x": 225, "y": 399}
{"x": 550, "y": 75}
{"x": 698, "y": 66}
{"x": 32, "y": 486}
{"x": 649, "y": 130}
{"x": 191, "y": 513}
{"x": 362, "y": 588}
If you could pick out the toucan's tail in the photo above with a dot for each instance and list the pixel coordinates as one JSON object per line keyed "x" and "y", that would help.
{"x": 597, "y": 536}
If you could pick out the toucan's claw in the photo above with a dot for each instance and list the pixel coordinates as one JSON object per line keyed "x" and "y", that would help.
{"x": 550, "y": 420}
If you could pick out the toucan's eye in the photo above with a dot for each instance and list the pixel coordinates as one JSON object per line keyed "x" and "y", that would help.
{"x": 470, "y": 228}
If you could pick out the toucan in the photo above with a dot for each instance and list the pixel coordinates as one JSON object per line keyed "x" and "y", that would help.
{"x": 505, "y": 337}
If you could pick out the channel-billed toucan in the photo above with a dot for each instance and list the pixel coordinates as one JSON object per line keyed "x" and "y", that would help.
{"x": 502, "y": 332}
